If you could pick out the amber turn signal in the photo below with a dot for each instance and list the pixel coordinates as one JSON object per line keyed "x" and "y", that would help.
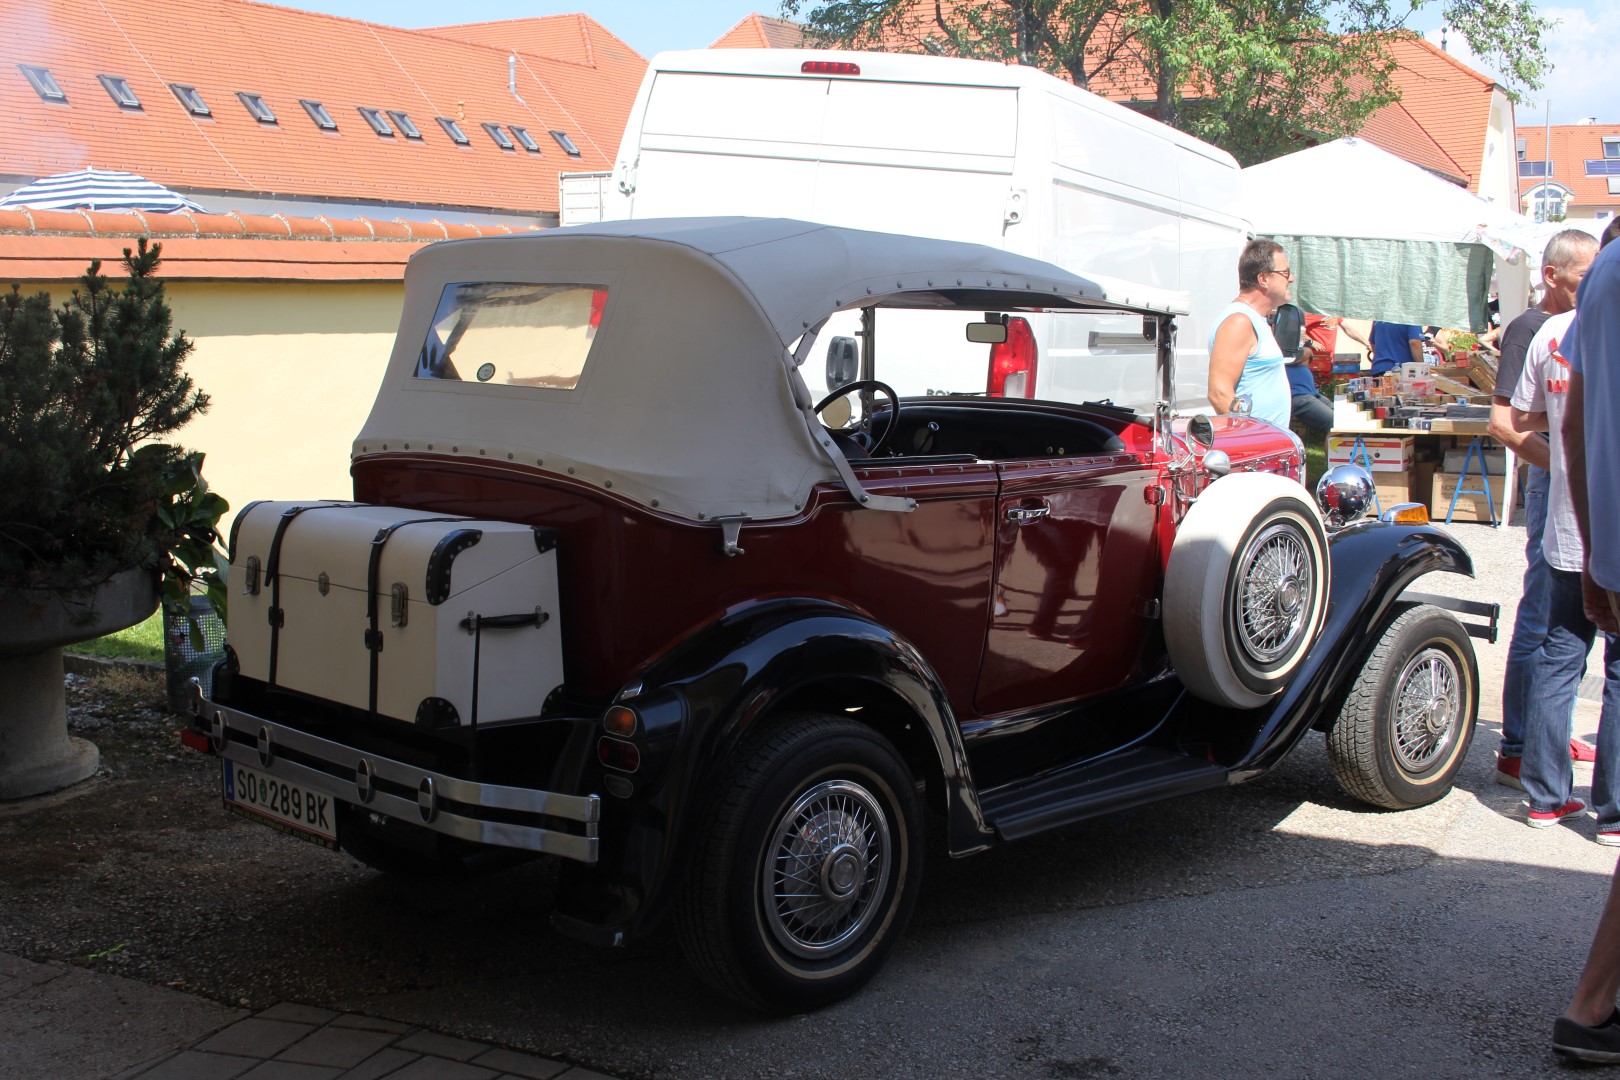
{"x": 620, "y": 720}
{"x": 1406, "y": 514}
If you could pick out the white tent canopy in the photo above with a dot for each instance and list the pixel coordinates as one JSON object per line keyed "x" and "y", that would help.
{"x": 1373, "y": 236}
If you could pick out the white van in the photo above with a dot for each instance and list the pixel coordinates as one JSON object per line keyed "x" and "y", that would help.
{"x": 960, "y": 150}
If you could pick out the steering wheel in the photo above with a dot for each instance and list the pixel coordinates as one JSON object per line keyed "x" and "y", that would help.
{"x": 863, "y": 437}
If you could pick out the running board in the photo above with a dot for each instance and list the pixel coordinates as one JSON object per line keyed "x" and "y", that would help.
{"x": 1103, "y": 786}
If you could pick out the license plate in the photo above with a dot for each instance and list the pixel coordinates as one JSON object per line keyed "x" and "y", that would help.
{"x": 290, "y": 807}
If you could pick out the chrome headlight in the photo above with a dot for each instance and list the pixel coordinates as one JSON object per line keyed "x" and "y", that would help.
{"x": 1344, "y": 493}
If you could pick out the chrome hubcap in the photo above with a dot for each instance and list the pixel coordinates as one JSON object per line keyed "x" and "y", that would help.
{"x": 1275, "y": 584}
{"x": 822, "y": 878}
{"x": 1428, "y": 701}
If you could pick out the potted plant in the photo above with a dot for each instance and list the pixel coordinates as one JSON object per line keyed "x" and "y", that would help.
{"x": 99, "y": 514}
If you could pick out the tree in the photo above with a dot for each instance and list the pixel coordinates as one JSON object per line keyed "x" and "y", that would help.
{"x": 86, "y": 487}
{"x": 1253, "y": 76}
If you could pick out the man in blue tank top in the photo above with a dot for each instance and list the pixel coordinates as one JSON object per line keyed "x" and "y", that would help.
{"x": 1244, "y": 360}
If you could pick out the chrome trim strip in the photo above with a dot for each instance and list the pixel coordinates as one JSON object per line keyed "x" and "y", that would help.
{"x": 349, "y": 774}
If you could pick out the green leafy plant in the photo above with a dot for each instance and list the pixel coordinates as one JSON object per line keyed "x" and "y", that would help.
{"x": 89, "y": 487}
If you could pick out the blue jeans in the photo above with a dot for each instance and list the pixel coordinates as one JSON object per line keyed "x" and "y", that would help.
{"x": 1530, "y": 623}
{"x": 1560, "y": 662}
{"x": 1313, "y": 412}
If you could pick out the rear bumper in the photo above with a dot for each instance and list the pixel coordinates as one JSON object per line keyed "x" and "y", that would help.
{"x": 500, "y": 816}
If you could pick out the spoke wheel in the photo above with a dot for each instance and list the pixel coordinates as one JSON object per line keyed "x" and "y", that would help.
{"x": 1275, "y": 580}
{"x": 1405, "y": 727}
{"x": 827, "y": 868}
{"x": 1427, "y": 704}
{"x": 807, "y": 867}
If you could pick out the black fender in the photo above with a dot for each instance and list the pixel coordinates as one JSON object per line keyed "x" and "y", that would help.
{"x": 1373, "y": 562}
{"x": 700, "y": 699}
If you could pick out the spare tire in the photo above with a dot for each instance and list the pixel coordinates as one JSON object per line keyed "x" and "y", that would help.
{"x": 1246, "y": 590}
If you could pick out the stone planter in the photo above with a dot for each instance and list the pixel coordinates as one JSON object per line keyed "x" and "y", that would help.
{"x": 36, "y": 753}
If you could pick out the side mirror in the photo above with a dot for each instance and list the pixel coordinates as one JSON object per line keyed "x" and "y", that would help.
{"x": 1202, "y": 431}
{"x": 843, "y": 362}
{"x": 987, "y": 333}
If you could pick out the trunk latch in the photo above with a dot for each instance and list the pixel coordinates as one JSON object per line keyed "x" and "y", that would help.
{"x": 399, "y": 604}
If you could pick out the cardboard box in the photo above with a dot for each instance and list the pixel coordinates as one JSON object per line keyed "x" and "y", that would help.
{"x": 1388, "y": 453}
{"x": 1470, "y": 506}
{"x": 1495, "y": 460}
{"x": 1423, "y": 471}
{"x": 1393, "y": 487}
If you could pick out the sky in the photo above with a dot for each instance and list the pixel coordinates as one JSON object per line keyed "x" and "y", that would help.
{"x": 1580, "y": 47}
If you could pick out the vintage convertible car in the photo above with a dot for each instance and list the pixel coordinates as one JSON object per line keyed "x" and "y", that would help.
{"x": 615, "y": 589}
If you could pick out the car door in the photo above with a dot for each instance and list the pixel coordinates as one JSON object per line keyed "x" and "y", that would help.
{"x": 1075, "y": 575}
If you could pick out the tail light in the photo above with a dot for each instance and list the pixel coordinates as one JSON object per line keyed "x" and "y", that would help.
{"x": 620, "y": 754}
{"x": 828, "y": 67}
{"x": 1013, "y": 362}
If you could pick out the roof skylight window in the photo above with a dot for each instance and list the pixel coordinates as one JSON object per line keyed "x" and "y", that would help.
{"x": 42, "y": 82}
{"x": 317, "y": 112}
{"x": 525, "y": 139}
{"x": 406, "y": 126}
{"x": 256, "y": 107}
{"x": 566, "y": 143}
{"x": 502, "y": 140}
{"x": 374, "y": 118}
{"x": 192, "y": 100}
{"x": 118, "y": 89}
{"x": 453, "y": 129}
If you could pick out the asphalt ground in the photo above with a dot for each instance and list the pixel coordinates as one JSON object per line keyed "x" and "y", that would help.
{"x": 1273, "y": 929}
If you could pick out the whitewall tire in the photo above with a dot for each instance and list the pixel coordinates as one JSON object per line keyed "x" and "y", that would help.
{"x": 1246, "y": 590}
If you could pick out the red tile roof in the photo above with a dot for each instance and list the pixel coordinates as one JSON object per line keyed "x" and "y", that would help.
{"x": 1449, "y": 100}
{"x": 575, "y": 39}
{"x": 57, "y": 245}
{"x": 1572, "y": 146}
{"x": 342, "y": 63}
{"x": 762, "y": 32}
{"x": 1396, "y": 130}
{"x": 609, "y": 72}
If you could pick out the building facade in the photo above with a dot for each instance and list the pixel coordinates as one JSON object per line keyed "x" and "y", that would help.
{"x": 1569, "y": 172}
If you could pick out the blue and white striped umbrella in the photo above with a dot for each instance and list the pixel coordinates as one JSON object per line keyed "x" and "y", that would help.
{"x": 97, "y": 189}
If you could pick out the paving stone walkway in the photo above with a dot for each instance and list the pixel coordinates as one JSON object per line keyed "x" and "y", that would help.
{"x": 296, "y": 1042}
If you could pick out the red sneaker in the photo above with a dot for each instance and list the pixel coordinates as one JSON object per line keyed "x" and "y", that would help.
{"x": 1545, "y": 819}
{"x": 1507, "y": 772}
{"x": 1582, "y": 751}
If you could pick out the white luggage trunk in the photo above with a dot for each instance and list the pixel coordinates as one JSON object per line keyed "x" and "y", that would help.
{"x": 301, "y": 575}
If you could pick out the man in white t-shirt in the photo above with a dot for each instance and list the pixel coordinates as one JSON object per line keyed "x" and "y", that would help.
{"x": 1539, "y": 401}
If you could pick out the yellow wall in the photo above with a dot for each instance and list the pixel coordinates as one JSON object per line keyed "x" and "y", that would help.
{"x": 291, "y": 370}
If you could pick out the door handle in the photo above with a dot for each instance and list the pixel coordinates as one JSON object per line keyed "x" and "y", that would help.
{"x": 1020, "y": 515}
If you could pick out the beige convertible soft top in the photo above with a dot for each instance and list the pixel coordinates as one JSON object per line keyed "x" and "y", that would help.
{"x": 689, "y": 400}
